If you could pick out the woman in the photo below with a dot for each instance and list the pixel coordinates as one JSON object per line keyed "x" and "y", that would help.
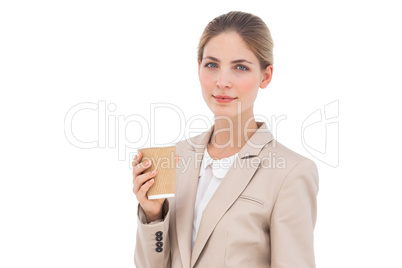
{"x": 242, "y": 199}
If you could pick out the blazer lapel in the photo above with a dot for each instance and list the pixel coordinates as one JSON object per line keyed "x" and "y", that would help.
{"x": 190, "y": 157}
{"x": 234, "y": 183}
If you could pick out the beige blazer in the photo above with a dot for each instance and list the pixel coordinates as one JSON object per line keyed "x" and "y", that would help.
{"x": 262, "y": 215}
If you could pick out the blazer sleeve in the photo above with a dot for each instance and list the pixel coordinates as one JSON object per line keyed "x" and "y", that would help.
{"x": 293, "y": 218}
{"x": 152, "y": 248}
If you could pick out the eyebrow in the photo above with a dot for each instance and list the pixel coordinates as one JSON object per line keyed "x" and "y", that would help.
{"x": 235, "y": 61}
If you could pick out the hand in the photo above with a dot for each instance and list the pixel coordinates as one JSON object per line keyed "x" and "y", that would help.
{"x": 142, "y": 182}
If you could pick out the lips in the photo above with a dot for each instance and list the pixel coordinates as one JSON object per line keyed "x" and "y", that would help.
{"x": 224, "y": 97}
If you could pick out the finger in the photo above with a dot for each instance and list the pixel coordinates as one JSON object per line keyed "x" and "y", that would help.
{"x": 139, "y": 168}
{"x": 141, "y": 179}
{"x": 142, "y": 193}
{"x": 137, "y": 159}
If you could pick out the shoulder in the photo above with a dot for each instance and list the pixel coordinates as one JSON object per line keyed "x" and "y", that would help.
{"x": 287, "y": 166}
{"x": 283, "y": 157}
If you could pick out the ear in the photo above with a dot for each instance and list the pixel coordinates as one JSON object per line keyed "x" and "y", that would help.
{"x": 266, "y": 76}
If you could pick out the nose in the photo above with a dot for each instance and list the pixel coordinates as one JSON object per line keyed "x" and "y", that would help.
{"x": 223, "y": 79}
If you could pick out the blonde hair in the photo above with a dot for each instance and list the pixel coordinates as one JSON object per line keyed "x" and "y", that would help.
{"x": 251, "y": 28}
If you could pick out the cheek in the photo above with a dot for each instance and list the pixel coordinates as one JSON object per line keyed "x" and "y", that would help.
{"x": 206, "y": 80}
{"x": 248, "y": 87}
{"x": 206, "y": 88}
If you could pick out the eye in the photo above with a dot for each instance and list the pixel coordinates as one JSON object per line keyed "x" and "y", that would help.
{"x": 211, "y": 65}
{"x": 241, "y": 67}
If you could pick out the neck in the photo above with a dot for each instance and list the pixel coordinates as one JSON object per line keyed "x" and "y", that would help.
{"x": 233, "y": 133}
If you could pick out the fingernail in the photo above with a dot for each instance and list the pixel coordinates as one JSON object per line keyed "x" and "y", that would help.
{"x": 153, "y": 172}
{"x": 148, "y": 163}
{"x": 151, "y": 181}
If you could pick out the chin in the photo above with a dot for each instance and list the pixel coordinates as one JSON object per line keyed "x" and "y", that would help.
{"x": 223, "y": 113}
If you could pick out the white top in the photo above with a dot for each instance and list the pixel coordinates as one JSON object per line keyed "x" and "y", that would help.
{"x": 211, "y": 175}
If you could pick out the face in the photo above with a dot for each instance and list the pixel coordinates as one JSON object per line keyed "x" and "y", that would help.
{"x": 230, "y": 76}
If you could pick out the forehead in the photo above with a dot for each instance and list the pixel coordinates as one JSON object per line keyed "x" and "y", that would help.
{"x": 228, "y": 46}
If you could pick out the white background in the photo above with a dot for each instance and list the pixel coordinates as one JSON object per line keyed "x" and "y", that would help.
{"x": 65, "y": 206}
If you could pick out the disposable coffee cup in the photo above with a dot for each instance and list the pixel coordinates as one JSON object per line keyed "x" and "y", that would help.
{"x": 164, "y": 162}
